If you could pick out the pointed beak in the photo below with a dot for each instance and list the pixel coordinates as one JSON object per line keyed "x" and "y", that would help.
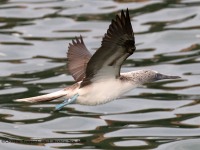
{"x": 160, "y": 76}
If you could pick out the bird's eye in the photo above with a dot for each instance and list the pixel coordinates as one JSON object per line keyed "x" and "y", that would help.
{"x": 158, "y": 76}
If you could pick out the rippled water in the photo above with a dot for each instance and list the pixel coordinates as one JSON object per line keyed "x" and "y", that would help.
{"x": 34, "y": 35}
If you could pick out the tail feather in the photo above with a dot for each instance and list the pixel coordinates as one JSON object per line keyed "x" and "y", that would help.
{"x": 42, "y": 98}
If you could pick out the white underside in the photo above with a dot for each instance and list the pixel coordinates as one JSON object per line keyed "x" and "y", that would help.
{"x": 99, "y": 92}
{"x": 102, "y": 91}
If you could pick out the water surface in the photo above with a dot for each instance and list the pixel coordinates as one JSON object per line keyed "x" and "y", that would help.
{"x": 34, "y": 36}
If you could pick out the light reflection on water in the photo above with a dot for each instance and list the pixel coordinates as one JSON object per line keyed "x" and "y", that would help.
{"x": 34, "y": 36}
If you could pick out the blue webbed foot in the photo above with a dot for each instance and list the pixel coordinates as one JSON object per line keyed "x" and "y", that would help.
{"x": 66, "y": 102}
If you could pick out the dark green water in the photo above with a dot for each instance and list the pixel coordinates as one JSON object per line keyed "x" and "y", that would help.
{"x": 34, "y": 36}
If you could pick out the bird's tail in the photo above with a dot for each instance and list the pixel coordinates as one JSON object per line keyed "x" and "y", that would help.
{"x": 42, "y": 98}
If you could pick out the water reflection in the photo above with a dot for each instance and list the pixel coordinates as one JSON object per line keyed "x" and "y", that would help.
{"x": 34, "y": 36}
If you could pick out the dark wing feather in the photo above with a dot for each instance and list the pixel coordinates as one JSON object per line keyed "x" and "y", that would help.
{"x": 77, "y": 58}
{"x": 118, "y": 44}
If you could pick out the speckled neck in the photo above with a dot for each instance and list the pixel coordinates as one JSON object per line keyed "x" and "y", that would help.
{"x": 138, "y": 77}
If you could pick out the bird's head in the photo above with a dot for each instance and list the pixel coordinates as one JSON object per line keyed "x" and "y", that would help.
{"x": 146, "y": 76}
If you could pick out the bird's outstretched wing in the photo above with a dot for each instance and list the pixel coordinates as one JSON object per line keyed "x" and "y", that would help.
{"x": 77, "y": 59}
{"x": 118, "y": 44}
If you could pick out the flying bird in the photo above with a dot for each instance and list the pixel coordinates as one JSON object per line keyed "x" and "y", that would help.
{"x": 98, "y": 78}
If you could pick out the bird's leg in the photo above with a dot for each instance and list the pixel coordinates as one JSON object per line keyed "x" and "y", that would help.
{"x": 66, "y": 102}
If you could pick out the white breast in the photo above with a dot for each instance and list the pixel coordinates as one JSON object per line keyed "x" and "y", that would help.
{"x": 103, "y": 91}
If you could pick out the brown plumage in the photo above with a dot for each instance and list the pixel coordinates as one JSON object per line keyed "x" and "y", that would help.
{"x": 117, "y": 44}
{"x": 77, "y": 58}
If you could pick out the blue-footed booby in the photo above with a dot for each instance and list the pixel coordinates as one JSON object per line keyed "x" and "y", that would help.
{"x": 98, "y": 78}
